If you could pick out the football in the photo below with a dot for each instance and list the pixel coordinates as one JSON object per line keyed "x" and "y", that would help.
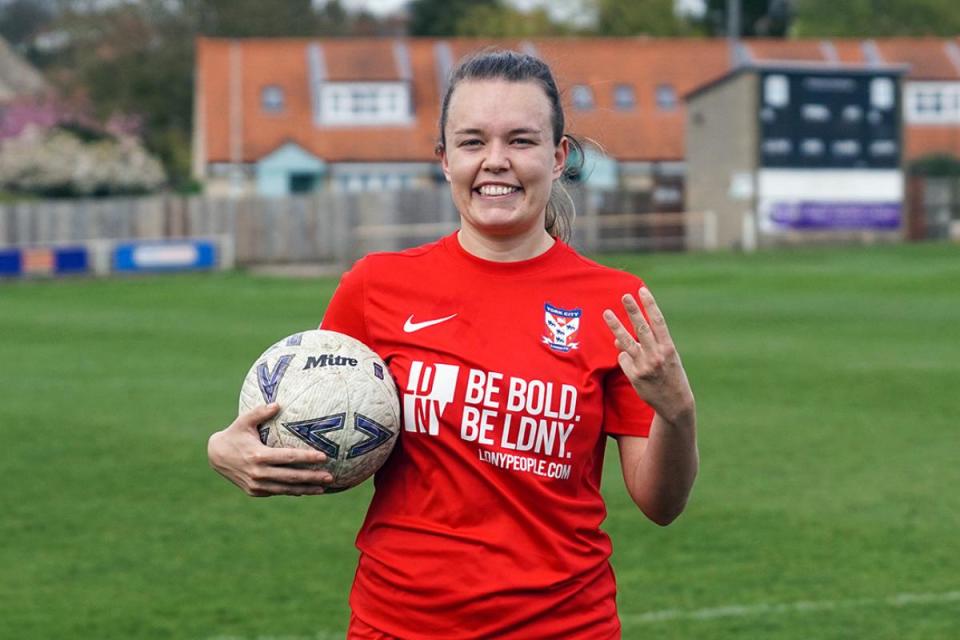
{"x": 335, "y": 395}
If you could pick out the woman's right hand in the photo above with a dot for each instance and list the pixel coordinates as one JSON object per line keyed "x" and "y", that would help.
{"x": 237, "y": 454}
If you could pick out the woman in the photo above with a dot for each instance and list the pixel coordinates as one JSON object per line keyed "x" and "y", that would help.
{"x": 513, "y": 368}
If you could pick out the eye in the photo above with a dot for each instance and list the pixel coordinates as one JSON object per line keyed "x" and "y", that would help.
{"x": 470, "y": 142}
{"x": 523, "y": 141}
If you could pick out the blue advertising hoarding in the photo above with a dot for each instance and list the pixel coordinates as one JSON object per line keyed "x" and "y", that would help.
{"x": 167, "y": 255}
{"x": 44, "y": 261}
{"x": 9, "y": 262}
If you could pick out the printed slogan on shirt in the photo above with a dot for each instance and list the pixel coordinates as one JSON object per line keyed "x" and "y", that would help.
{"x": 519, "y": 425}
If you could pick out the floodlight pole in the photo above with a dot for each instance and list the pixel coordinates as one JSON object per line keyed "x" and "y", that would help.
{"x": 733, "y": 20}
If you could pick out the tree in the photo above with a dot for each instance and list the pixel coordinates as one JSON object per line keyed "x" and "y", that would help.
{"x": 246, "y": 18}
{"x": 138, "y": 57}
{"x": 444, "y": 17}
{"x": 769, "y": 18}
{"x": 61, "y": 163}
{"x": 507, "y": 22}
{"x": 638, "y": 17}
{"x": 876, "y": 18}
{"x": 20, "y": 20}
{"x": 132, "y": 59}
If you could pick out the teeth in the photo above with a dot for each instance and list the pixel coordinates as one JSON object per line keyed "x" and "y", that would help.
{"x": 496, "y": 190}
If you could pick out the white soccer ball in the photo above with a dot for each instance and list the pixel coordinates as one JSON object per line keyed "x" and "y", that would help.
{"x": 335, "y": 395}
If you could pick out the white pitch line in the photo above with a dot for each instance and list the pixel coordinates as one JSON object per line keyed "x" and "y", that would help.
{"x": 803, "y": 606}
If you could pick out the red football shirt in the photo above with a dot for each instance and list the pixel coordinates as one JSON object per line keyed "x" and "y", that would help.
{"x": 485, "y": 522}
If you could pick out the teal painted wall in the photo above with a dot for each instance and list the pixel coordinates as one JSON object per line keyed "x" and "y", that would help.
{"x": 274, "y": 171}
{"x": 600, "y": 171}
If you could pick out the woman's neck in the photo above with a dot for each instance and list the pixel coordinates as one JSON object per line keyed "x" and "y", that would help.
{"x": 508, "y": 248}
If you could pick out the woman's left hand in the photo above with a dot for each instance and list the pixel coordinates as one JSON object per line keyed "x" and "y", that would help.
{"x": 651, "y": 361}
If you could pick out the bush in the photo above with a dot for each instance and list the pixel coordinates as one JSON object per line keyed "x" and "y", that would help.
{"x": 58, "y": 163}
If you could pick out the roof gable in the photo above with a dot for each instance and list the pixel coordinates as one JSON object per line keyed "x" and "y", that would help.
{"x": 290, "y": 155}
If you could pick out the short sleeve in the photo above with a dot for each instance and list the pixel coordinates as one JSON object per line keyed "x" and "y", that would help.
{"x": 624, "y": 413}
{"x": 345, "y": 313}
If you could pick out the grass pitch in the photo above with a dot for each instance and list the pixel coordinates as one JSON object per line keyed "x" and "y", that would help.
{"x": 827, "y": 505}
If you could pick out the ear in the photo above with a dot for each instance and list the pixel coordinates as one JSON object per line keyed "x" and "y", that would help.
{"x": 444, "y": 163}
{"x": 560, "y": 155}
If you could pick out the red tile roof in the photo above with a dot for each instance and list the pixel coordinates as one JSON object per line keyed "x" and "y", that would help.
{"x": 849, "y": 51}
{"x": 360, "y": 59}
{"x": 927, "y": 57}
{"x": 787, "y": 50}
{"x": 643, "y": 133}
{"x": 646, "y": 132}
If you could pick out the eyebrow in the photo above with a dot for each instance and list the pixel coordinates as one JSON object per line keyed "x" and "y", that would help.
{"x": 512, "y": 132}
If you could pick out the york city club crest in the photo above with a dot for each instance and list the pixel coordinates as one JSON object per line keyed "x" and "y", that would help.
{"x": 562, "y": 326}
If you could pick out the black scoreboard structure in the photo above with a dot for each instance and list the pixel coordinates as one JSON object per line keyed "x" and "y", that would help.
{"x": 840, "y": 120}
{"x": 829, "y": 149}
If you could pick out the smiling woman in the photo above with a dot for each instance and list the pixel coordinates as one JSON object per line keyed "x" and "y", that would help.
{"x": 514, "y": 370}
{"x": 471, "y": 111}
{"x": 501, "y": 163}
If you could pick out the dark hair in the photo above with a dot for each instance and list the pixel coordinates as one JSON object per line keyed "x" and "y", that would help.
{"x": 512, "y": 66}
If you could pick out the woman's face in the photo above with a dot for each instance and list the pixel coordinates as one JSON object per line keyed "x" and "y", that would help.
{"x": 499, "y": 156}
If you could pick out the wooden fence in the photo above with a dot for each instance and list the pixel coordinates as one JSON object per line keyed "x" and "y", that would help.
{"x": 324, "y": 227}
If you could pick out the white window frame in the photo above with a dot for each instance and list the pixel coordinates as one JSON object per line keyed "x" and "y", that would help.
{"x": 363, "y": 104}
{"x": 932, "y": 102}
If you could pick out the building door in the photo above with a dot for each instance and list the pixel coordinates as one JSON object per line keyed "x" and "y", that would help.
{"x": 302, "y": 182}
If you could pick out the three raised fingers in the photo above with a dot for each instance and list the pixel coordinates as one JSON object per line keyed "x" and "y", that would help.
{"x": 646, "y": 337}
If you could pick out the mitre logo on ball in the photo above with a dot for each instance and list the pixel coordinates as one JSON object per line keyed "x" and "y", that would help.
{"x": 334, "y": 396}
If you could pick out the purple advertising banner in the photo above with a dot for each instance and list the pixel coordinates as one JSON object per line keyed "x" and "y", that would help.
{"x": 836, "y": 215}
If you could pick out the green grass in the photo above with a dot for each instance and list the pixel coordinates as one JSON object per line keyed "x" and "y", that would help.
{"x": 827, "y": 383}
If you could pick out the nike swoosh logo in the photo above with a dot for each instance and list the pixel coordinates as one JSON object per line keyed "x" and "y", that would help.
{"x": 410, "y": 326}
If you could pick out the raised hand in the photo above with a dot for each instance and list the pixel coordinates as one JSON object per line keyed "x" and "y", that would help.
{"x": 237, "y": 454}
{"x": 651, "y": 361}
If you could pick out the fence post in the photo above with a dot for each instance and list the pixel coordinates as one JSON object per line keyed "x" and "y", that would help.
{"x": 710, "y": 241}
{"x": 228, "y": 253}
{"x": 100, "y": 253}
{"x": 340, "y": 230}
{"x": 748, "y": 235}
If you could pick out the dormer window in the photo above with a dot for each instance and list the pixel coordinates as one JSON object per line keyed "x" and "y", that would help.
{"x": 582, "y": 97}
{"x": 666, "y": 97}
{"x": 624, "y": 97}
{"x": 271, "y": 99}
{"x": 363, "y": 103}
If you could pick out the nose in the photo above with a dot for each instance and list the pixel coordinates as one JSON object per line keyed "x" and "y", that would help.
{"x": 496, "y": 159}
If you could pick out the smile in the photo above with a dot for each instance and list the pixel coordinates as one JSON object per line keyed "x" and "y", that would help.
{"x": 496, "y": 190}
